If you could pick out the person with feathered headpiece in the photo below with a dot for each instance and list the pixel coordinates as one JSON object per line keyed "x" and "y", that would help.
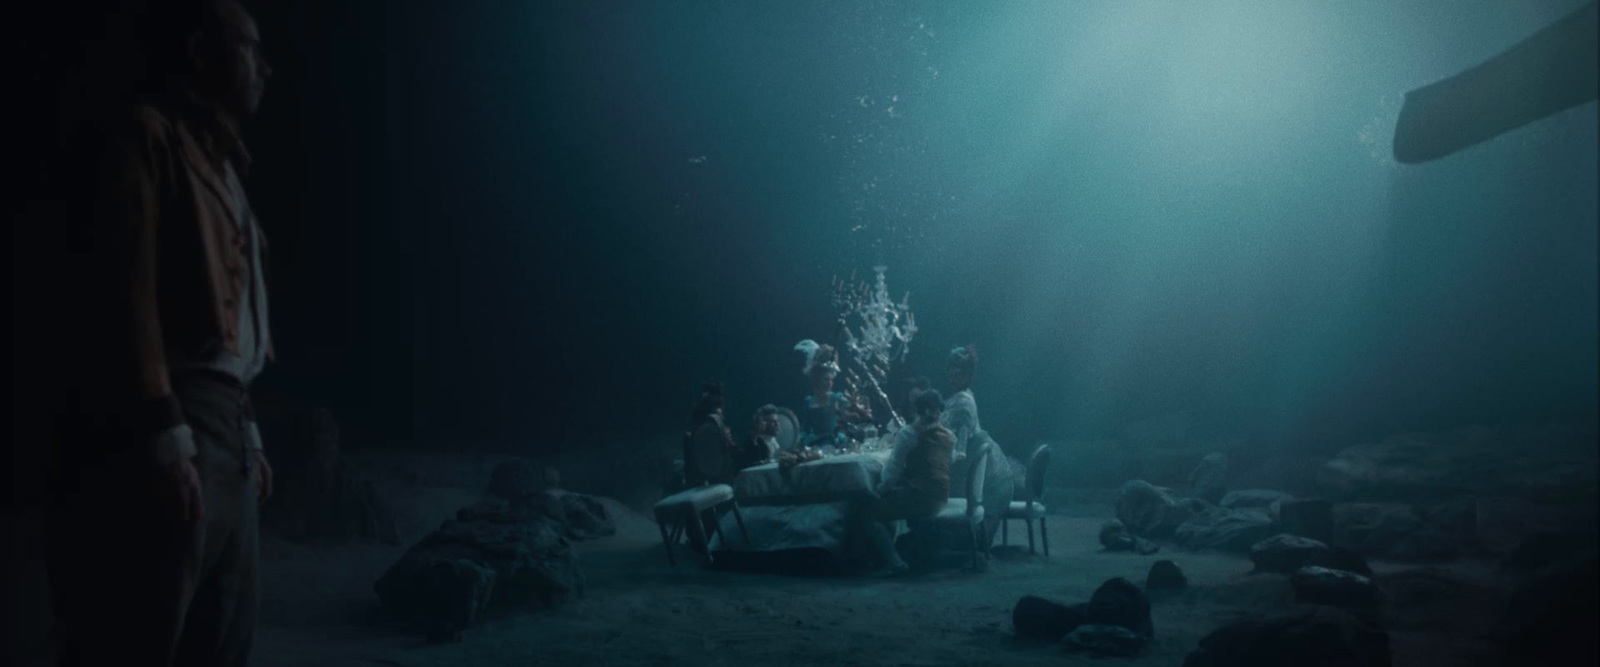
{"x": 823, "y": 406}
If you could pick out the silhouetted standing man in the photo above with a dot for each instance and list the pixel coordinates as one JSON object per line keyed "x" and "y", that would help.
{"x": 153, "y": 527}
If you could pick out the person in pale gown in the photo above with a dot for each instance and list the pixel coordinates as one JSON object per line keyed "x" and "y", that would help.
{"x": 961, "y": 417}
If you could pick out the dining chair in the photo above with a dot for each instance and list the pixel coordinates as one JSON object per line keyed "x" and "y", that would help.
{"x": 967, "y": 513}
{"x": 1030, "y": 508}
{"x": 684, "y": 512}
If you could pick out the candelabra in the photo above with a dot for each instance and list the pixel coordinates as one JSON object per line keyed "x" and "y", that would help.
{"x": 877, "y": 333}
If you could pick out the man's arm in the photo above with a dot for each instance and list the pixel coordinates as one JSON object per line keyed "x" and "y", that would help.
{"x": 127, "y": 215}
{"x": 896, "y": 465}
{"x": 959, "y": 418}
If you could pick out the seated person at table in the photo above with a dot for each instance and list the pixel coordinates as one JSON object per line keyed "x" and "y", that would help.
{"x": 916, "y": 482}
{"x": 763, "y": 443}
{"x": 820, "y": 420}
{"x": 707, "y": 416}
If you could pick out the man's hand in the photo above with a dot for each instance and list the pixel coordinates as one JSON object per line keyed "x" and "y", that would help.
{"x": 181, "y": 482}
{"x": 263, "y": 475}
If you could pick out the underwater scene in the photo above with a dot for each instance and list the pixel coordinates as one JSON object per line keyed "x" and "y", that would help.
{"x": 1226, "y": 333}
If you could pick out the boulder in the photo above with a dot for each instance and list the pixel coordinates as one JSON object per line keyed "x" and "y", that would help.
{"x": 1284, "y": 553}
{"x": 445, "y": 596}
{"x": 1115, "y": 602}
{"x": 1346, "y": 590}
{"x": 1308, "y": 517}
{"x": 1374, "y": 528}
{"x": 539, "y": 507}
{"x": 1119, "y": 602}
{"x": 1115, "y": 537}
{"x": 1308, "y": 637}
{"x": 1104, "y": 640}
{"x": 586, "y": 518}
{"x": 1039, "y": 618}
{"x": 1150, "y": 511}
{"x": 1341, "y": 558}
{"x": 1550, "y": 463}
{"x": 1224, "y": 529}
{"x": 1209, "y": 481}
{"x": 1165, "y": 576}
{"x": 1396, "y": 531}
{"x": 531, "y": 561}
{"x": 1254, "y": 499}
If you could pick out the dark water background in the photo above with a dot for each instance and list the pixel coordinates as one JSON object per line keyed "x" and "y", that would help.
{"x": 545, "y": 223}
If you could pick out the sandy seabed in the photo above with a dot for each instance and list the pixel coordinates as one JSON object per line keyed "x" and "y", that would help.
{"x": 319, "y": 609}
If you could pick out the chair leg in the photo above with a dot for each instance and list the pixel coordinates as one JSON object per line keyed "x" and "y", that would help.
{"x": 697, "y": 532}
{"x": 1044, "y": 537}
{"x": 1005, "y": 532}
{"x": 976, "y": 531}
{"x": 1030, "y": 535}
{"x": 667, "y": 539}
{"x": 740, "y": 518}
{"x": 717, "y": 527}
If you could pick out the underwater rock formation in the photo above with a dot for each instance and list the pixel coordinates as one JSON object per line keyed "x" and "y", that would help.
{"x": 1310, "y": 637}
{"x": 1262, "y": 499}
{"x": 1341, "y": 558}
{"x": 1115, "y": 602}
{"x": 1036, "y": 617}
{"x": 521, "y": 542}
{"x": 1307, "y": 517}
{"x": 1104, "y": 640}
{"x": 586, "y": 518}
{"x": 1346, "y": 590}
{"x": 1115, "y": 537}
{"x": 1165, "y": 576}
{"x": 1151, "y": 511}
{"x": 1119, "y": 602}
{"x": 1225, "y": 529}
{"x": 446, "y": 596}
{"x": 1547, "y": 464}
{"x": 1374, "y": 528}
{"x": 1284, "y": 553}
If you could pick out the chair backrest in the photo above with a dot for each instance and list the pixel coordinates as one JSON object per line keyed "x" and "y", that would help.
{"x": 975, "y": 476}
{"x": 1036, "y": 465}
{"x": 691, "y": 474}
{"x": 709, "y": 445}
{"x": 789, "y": 430}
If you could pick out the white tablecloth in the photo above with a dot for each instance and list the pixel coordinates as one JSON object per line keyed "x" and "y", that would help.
{"x": 830, "y": 479}
{"x": 803, "y": 509}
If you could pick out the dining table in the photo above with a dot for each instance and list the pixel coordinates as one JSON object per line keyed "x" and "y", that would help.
{"x": 804, "y": 506}
{"x": 828, "y": 479}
